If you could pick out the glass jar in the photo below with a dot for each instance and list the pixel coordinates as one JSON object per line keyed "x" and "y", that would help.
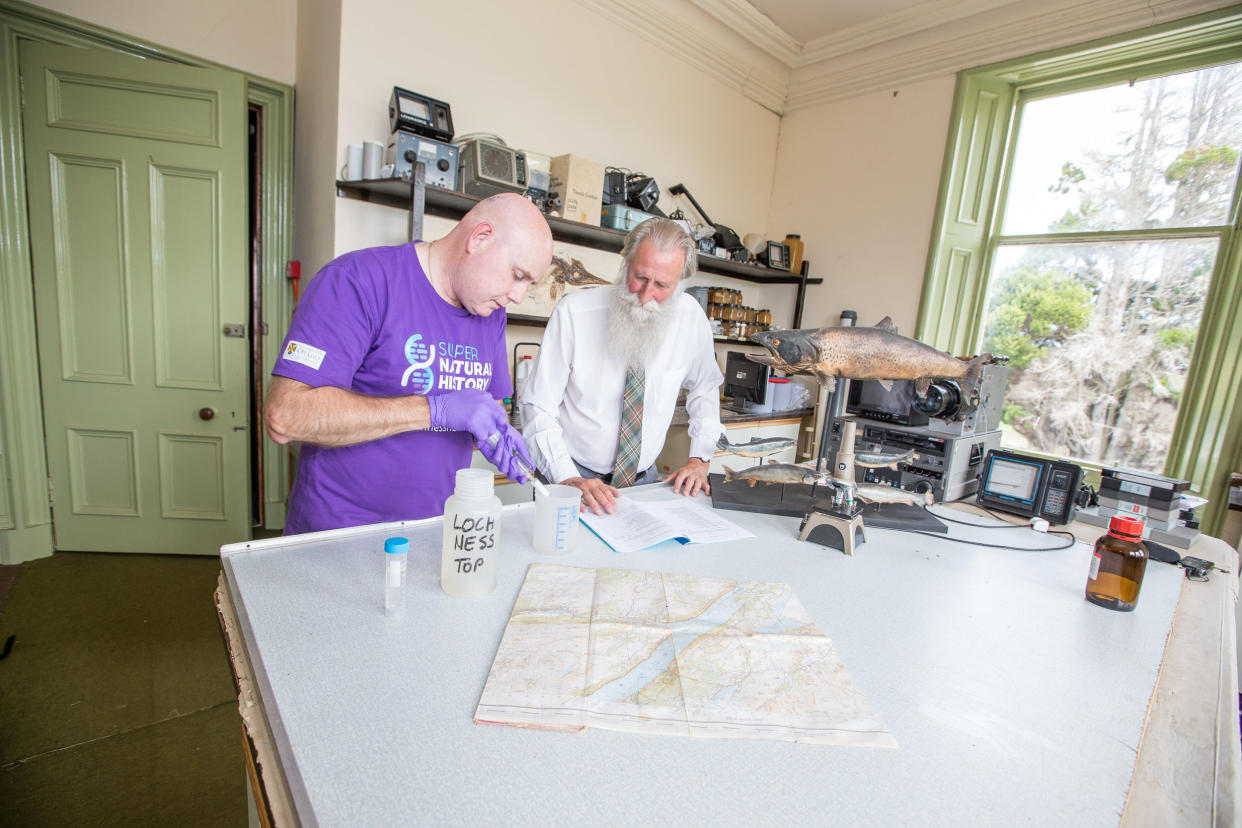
{"x": 763, "y": 316}
{"x": 1118, "y": 564}
{"x": 795, "y": 252}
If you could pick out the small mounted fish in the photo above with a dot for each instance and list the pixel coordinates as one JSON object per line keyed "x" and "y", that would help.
{"x": 774, "y": 472}
{"x": 891, "y": 494}
{"x": 755, "y": 446}
{"x": 879, "y": 461}
{"x": 878, "y": 353}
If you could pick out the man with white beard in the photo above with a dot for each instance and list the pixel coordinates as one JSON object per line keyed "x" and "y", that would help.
{"x": 598, "y": 403}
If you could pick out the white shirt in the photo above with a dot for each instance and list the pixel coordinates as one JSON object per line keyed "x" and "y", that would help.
{"x": 571, "y": 403}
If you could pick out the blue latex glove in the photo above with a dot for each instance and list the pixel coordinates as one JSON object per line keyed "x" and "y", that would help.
{"x": 507, "y": 451}
{"x": 471, "y": 410}
{"x": 477, "y": 413}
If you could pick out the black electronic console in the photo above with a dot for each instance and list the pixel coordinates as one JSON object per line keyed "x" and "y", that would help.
{"x": 1023, "y": 484}
{"x": 414, "y": 112}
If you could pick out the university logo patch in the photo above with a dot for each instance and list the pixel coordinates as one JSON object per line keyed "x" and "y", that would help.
{"x": 307, "y": 355}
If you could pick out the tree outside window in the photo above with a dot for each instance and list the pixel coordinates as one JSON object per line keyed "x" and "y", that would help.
{"x": 1114, "y": 208}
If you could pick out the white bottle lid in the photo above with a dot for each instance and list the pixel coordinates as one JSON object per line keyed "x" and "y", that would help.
{"x": 474, "y": 483}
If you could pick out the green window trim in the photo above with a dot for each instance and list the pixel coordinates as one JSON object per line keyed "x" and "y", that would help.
{"x": 1207, "y": 440}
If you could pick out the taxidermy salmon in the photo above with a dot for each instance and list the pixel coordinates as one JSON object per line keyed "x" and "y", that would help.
{"x": 774, "y": 472}
{"x": 891, "y": 494}
{"x": 878, "y": 353}
{"x": 879, "y": 461}
{"x": 755, "y": 446}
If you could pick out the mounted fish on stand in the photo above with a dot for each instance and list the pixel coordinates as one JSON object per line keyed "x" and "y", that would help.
{"x": 878, "y": 353}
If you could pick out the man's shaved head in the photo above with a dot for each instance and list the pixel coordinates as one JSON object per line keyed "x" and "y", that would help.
{"x": 493, "y": 254}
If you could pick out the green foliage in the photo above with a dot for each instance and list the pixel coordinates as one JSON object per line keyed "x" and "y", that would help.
{"x": 1035, "y": 309}
{"x": 1198, "y": 160}
{"x": 1071, "y": 176}
{"x": 1177, "y": 339}
{"x": 1081, "y": 219}
{"x": 1012, "y": 414}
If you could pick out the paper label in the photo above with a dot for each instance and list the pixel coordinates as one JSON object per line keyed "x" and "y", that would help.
{"x": 307, "y": 355}
{"x": 1095, "y": 566}
{"x": 1135, "y": 488}
{"x": 394, "y": 573}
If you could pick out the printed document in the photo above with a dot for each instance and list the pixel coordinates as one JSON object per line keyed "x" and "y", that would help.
{"x": 638, "y": 524}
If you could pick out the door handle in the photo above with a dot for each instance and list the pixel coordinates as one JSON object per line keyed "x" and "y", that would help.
{"x": 206, "y": 413}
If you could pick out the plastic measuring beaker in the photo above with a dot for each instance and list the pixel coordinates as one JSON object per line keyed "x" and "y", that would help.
{"x": 556, "y": 520}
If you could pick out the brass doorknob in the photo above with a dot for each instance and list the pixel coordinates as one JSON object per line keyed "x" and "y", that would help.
{"x": 206, "y": 413}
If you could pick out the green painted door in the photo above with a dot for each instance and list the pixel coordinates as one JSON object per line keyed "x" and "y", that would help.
{"x": 136, "y": 187}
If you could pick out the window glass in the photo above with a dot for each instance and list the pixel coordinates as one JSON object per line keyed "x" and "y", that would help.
{"x": 1158, "y": 153}
{"x": 1100, "y": 337}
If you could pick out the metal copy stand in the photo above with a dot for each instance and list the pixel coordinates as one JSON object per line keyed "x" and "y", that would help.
{"x": 834, "y": 524}
{"x": 842, "y": 516}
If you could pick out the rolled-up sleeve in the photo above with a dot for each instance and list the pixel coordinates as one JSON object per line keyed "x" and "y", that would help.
{"x": 702, "y": 385}
{"x": 540, "y": 400}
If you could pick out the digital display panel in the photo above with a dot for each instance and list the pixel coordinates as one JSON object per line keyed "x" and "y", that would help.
{"x": 416, "y": 109}
{"x": 1012, "y": 479}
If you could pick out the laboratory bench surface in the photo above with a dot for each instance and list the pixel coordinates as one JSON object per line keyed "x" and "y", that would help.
{"x": 1012, "y": 699}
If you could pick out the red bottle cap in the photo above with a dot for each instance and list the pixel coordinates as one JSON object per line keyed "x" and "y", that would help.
{"x": 1126, "y": 527}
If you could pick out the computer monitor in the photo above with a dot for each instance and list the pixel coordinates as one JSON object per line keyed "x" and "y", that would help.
{"x": 744, "y": 381}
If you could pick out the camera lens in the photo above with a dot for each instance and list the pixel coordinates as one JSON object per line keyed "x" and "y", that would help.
{"x": 942, "y": 400}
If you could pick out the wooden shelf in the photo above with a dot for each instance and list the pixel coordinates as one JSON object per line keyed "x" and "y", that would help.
{"x": 394, "y": 192}
{"x": 542, "y": 322}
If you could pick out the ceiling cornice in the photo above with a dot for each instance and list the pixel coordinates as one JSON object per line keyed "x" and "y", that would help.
{"x": 749, "y": 53}
{"x": 893, "y": 26}
{"x": 755, "y": 26}
{"x": 1008, "y": 31}
{"x": 722, "y": 54}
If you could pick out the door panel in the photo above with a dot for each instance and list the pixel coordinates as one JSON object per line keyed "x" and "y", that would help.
{"x": 136, "y": 185}
{"x": 185, "y": 277}
{"x": 91, "y": 282}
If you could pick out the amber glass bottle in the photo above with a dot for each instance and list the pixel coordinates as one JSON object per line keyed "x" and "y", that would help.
{"x": 1117, "y": 565}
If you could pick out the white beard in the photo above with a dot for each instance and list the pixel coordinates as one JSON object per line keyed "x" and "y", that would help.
{"x": 635, "y": 330}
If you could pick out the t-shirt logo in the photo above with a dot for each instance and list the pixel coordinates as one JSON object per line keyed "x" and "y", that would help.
{"x": 420, "y": 356}
{"x": 307, "y": 355}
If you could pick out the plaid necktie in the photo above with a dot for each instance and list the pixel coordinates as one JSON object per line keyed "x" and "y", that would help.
{"x": 630, "y": 442}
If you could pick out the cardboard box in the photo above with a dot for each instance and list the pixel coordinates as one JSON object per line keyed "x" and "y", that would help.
{"x": 580, "y": 184}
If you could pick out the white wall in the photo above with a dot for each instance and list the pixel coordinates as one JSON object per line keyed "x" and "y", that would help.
{"x": 589, "y": 87}
{"x": 314, "y": 137}
{"x": 858, "y": 179}
{"x": 257, "y": 38}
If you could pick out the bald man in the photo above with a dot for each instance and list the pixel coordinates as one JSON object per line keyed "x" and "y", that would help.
{"x": 394, "y": 364}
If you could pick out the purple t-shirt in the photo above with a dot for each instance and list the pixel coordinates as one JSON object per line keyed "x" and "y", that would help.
{"x": 372, "y": 323}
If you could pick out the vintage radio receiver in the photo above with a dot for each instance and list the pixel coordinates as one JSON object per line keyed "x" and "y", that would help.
{"x": 487, "y": 168}
{"x": 440, "y": 159}
{"x": 946, "y": 466}
{"x": 412, "y": 112}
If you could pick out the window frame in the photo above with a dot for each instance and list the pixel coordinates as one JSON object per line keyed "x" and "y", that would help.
{"x": 1206, "y": 444}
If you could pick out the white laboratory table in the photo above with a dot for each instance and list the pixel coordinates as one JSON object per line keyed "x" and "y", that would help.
{"x": 1013, "y": 699}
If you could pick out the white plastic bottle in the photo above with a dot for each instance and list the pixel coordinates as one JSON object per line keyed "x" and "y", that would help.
{"x": 519, "y": 382}
{"x": 468, "y": 551}
{"x": 395, "y": 555}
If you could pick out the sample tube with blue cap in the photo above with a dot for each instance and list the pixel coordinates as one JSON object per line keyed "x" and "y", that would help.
{"x": 396, "y": 552}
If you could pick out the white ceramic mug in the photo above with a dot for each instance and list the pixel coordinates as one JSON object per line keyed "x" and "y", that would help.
{"x": 352, "y": 171}
{"x": 372, "y": 159}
